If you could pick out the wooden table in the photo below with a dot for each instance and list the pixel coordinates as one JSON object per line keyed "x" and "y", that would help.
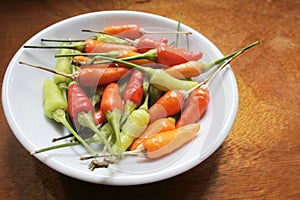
{"x": 260, "y": 159}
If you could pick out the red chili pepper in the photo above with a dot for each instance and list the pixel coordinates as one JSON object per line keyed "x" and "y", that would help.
{"x": 78, "y": 101}
{"x": 147, "y": 43}
{"x": 197, "y": 104}
{"x": 133, "y": 94}
{"x": 134, "y": 90}
{"x": 131, "y": 31}
{"x": 170, "y": 55}
{"x": 81, "y": 111}
{"x": 168, "y": 105}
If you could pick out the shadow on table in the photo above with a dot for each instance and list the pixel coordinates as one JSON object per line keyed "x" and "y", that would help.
{"x": 190, "y": 185}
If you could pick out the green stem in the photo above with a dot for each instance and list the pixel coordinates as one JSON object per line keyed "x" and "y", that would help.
{"x": 62, "y": 137}
{"x": 114, "y": 118}
{"x": 145, "y": 104}
{"x": 78, "y": 46}
{"x": 55, "y": 147}
{"x": 112, "y": 54}
{"x": 212, "y": 75}
{"x": 178, "y": 29}
{"x": 146, "y": 86}
{"x": 94, "y": 139}
{"x": 207, "y": 66}
{"x": 234, "y": 53}
{"x": 59, "y": 40}
{"x": 149, "y": 55}
{"x": 59, "y": 116}
{"x": 128, "y": 108}
{"x": 63, "y": 87}
{"x": 149, "y": 71}
{"x": 86, "y": 120}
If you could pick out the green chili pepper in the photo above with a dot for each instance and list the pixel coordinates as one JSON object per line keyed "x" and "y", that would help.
{"x": 53, "y": 99}
{"x": 55, "y": 107}
{"x": 134, "y": 126}
{"x": 63, "y": 65}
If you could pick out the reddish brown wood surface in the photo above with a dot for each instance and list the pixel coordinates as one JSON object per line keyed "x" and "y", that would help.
{"x": 260, "y": 159}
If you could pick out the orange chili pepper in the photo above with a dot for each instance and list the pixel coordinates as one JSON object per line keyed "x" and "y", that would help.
{"x": 167, "y": 142}
{"x": 131, "y": 31}
{"x": 111, "y": 98}
{"x": 168, "y": 105}
{"x": 100, "y": 76}
{"x": 160, "y": 125}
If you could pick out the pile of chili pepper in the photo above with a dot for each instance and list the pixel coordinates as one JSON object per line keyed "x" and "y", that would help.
{"x": 134, "y": 93}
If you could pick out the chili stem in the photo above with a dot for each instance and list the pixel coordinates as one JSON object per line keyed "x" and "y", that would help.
{"x": 59, "y": 116}
{"x": 61, "y": 138}
{"x": 178, "y": 29}
{"x": 114, "y": 118}
{"x": 139, "y": 151}
{"x": 148, "y": 70}
{"x": 128, "y": 108}
{"x": 207, "y": 66}
{"x": 150, "y": 55}
{"x": 85, "y": 119}
{"x": 52, "y": 47}
{"x": 165, "y": 32}
{"x": 236, "y": 52}
{"x": 71, "y": 76}
{"x": 212, "y": 76}
{"x": 59, "y": 40}
{"x": 69, "y": 144}
{"x": 56, "y": 147}
{"x": 108, "y": 54}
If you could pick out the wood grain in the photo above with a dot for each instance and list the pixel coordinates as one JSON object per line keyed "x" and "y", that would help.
{"x": 259, "y": 159}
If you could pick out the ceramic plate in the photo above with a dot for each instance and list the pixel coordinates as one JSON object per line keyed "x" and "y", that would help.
{"x": 22, "y": 103}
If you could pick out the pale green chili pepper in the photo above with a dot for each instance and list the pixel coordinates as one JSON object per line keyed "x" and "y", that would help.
{"x": 64, "y": 65}
{"x": 134, "y": 126}
{"x": 53, "y": 99}
{"x": 55, "y": 107}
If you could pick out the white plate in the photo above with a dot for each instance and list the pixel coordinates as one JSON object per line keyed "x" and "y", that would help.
{"x": 22, "y": 102}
